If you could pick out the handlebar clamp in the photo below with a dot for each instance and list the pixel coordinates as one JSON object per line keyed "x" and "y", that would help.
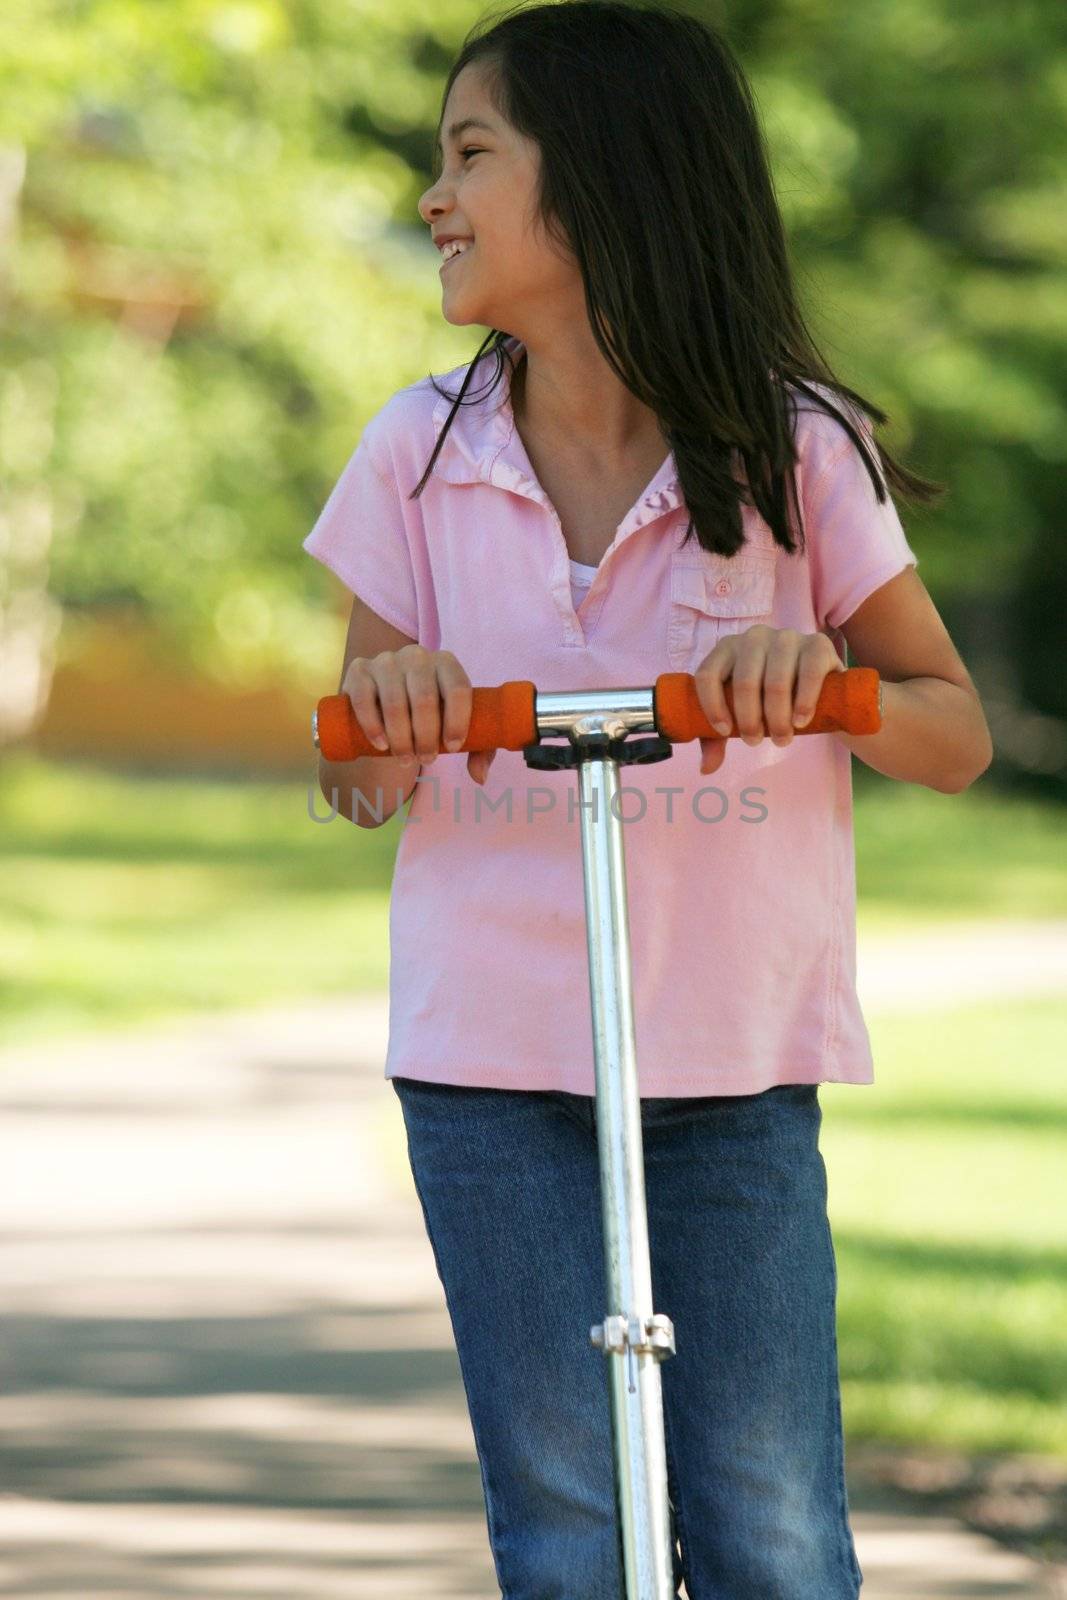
{"x": 546, "y": 756}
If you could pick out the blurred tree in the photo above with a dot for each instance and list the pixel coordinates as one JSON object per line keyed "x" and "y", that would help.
{"x": 218, "y": 273}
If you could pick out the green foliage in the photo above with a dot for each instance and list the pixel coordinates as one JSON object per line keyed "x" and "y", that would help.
{"x": 220, "y": 274}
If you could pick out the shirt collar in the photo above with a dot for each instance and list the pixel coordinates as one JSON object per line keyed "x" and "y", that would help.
{"x": 486, "y": 447}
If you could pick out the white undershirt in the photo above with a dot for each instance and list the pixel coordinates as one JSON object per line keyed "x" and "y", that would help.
{"x": 581, "y": 577}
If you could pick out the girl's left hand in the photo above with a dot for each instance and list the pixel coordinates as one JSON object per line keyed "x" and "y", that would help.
{"x": 777, "y": 676}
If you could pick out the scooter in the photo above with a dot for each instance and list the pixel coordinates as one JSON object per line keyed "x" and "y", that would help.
{"x": 597, "y": 728}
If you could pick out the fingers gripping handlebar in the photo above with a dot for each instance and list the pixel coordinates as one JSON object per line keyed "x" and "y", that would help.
{"x": 505, "y": 718}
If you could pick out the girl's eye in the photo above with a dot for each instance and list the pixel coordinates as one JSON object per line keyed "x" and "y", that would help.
{"x": 472, "y": 150}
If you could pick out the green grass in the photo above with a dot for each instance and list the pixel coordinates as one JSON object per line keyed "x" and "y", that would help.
{"x": 924, "y": 856}
{"x": 130, "y": 899}
{"x": 127, "y": 899}
{"x": 947, "y": 1194}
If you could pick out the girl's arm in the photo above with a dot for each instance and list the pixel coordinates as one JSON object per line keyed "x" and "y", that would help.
{"x": 934, "y": 729}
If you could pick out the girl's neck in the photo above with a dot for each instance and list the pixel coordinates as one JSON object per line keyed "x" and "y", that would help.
{"x": 562, "y": 442}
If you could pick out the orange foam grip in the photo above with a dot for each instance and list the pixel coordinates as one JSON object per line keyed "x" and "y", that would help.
{"x": 849, "y": 700}
{"x": 501, "y": 719}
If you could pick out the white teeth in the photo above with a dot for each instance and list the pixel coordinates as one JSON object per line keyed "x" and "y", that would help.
{"x": 454, "y": 248}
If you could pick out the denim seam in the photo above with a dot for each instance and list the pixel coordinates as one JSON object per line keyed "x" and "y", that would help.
{"x": 852, "y": 1566}
{"x": 676, "y": 1502}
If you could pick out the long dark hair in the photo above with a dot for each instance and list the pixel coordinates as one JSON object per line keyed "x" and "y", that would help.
{"x": 655, "y": 176}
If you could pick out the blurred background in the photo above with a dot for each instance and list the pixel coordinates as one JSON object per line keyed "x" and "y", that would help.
{"x": 212, "y": 273}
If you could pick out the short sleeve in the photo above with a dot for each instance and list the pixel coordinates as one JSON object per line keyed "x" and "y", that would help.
{"x": 855, "y": 543}
{"x": 360, "y": 535}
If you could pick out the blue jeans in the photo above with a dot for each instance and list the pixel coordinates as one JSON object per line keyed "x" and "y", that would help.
{"x": 742, "y": 1262}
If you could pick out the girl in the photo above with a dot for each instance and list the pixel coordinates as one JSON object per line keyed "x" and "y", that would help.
{"x": 671, "y": 478}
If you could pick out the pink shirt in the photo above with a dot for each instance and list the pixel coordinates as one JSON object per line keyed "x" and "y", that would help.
{"x": 741, "y": 884}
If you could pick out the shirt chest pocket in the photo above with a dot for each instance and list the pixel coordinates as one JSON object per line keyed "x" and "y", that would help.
{"x": 712, "y": 596}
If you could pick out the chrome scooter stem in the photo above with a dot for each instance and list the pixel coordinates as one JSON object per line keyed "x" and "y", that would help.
{"x": 632, "y": 1337}
{"x": 635, "y": 1340}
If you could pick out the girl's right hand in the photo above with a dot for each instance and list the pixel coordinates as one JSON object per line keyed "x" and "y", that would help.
{"x": 412, "y": 701}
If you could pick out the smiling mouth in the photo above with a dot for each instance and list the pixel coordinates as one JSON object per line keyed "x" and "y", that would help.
{"x": 458, "y": 257}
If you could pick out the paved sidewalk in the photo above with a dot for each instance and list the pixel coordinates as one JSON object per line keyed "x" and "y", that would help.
{"x": 227, "y": 1368}
{"x": 963, "y": 964}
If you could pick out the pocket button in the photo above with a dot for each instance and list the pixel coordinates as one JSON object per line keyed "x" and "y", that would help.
{"x": 712, "y": 597}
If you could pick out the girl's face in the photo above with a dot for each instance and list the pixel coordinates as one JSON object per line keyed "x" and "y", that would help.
{"x": 510, "y": 276}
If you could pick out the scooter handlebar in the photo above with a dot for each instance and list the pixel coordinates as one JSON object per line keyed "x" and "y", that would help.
{"x": 504, "y": 718}
{"x": 849, "y": 702}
